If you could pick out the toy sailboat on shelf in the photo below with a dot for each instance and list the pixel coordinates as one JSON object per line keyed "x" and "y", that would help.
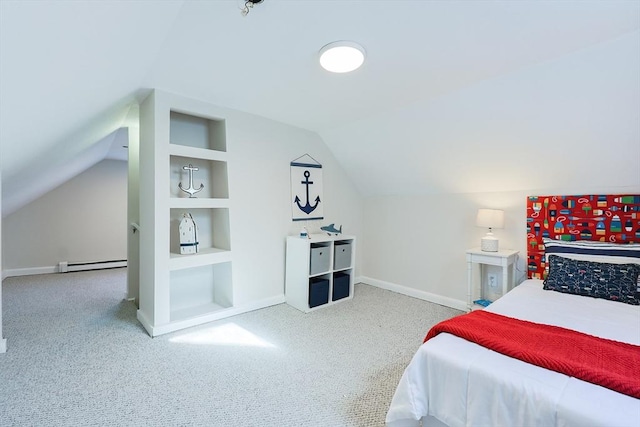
{"x": 188, "y": 235}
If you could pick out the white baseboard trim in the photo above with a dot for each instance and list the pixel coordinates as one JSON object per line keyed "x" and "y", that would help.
{"x": 145, "y": 323}
{"x": 3, "y": 345}
{"x": 155, "y": 331}
{"x": 415, "y": 293}
{"x": 56, "y": 269}
{"x": 14, "y": 272}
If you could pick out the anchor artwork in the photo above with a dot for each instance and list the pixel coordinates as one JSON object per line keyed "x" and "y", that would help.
{"x": 306, "y": 190}
{"x": 190, "y": 190}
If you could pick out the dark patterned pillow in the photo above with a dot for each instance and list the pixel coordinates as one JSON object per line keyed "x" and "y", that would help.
{"x": 615, "y": 282}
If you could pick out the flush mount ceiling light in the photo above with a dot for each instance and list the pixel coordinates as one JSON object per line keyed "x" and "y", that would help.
{"x": 341, "y": 56}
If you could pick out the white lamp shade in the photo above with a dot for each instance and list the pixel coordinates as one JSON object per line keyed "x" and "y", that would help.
{"x": 490, "y": 218}
{"x": 341, "y": 56}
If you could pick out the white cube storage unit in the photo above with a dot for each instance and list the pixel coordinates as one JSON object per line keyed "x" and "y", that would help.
{"x": 320, "y": 271}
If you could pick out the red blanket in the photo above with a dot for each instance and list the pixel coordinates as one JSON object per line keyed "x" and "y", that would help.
{"x": 600, "y": 361}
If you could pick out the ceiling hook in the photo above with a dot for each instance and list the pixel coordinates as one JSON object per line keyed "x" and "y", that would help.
{"x": 248, "y": 5}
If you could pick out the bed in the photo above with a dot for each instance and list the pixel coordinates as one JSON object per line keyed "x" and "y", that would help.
{"x": 454, "y": 382}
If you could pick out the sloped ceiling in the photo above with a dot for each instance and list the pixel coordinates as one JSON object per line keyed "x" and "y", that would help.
{"x": 70, "y": 70}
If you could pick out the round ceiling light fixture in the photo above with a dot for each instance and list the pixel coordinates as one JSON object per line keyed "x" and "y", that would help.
{"x": 342, "y": 56}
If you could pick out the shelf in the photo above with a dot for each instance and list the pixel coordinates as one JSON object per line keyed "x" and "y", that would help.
{"x": 203, "y": 257}
{"x": 196, "y": 203}
{"x": 197, "y": 132}
{"x": 197, "y": 311}
{"x": 200, "y": 290}
{"x": 325, "y": 238}
{"x": 197, "y": 153}
{"x": 321, "y": 274}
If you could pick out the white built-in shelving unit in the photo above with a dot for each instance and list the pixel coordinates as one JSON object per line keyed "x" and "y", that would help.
{"x": 179, "y": 291}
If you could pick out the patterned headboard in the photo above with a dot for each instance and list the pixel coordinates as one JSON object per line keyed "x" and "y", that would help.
{"x": 609, "y": 217}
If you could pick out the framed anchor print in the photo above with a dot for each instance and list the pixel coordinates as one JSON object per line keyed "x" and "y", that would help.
{"x": 306, "y": 189}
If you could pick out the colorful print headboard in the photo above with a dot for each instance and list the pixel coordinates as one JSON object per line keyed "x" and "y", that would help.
{"x": 608, "y": 218}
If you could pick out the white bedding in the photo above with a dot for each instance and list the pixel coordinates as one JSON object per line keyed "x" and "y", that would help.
{"x": 463, "y": 384}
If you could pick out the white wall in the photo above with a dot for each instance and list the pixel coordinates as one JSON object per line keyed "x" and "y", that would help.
{"x": 3, "y": 341}
{"x": 133, "y": 209}
{"x": 416, "y": 244}
{"x": 83, "y": 220}
{"x": 568, "y": 126}
{"x": 260, "y": 152}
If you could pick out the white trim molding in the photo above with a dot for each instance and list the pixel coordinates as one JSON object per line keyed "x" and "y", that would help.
{"x": 222, "y": 314}
{"x": 3, "y": 345}
{"x": 415, "y": 293}
{"x": 63, "y": 267}
{"x": 14, "y": 272}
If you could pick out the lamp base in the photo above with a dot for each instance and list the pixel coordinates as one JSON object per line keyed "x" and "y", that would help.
{"x": 489, "y": 244}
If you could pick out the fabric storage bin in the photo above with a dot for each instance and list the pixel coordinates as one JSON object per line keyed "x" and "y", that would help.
{"x": 342, "y": 255}
{"x": 340, "y": 286}
{"x": 319, "y": 262}
{"x": 318, "y": 291}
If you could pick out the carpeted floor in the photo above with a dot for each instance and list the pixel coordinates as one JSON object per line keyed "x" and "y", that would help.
{"x": 78, "y": 357}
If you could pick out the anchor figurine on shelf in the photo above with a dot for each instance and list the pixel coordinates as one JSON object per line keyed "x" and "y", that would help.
{"x": 191, "y": 190}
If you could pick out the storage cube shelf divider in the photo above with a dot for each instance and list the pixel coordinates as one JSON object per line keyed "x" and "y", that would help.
{"x": 320, "y": 271}
{"x": 178, "y": 291}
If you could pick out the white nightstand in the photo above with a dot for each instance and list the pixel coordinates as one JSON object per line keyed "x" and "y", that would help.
{"x": 505, "y": 258}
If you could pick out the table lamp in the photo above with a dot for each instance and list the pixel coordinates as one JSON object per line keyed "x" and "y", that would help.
{"x": 490, "y": 218}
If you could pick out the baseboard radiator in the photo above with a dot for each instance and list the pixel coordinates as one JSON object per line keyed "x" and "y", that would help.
{"x": 68, "y": 267}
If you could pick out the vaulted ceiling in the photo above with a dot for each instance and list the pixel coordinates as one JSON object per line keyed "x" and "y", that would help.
{"x": 71, "y": 70}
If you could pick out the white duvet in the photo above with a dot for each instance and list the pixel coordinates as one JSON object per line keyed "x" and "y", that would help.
{"x": 461, "y": 383}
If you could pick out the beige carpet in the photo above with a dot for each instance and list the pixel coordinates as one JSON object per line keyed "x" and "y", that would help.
{"x": 78, "y": 357}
